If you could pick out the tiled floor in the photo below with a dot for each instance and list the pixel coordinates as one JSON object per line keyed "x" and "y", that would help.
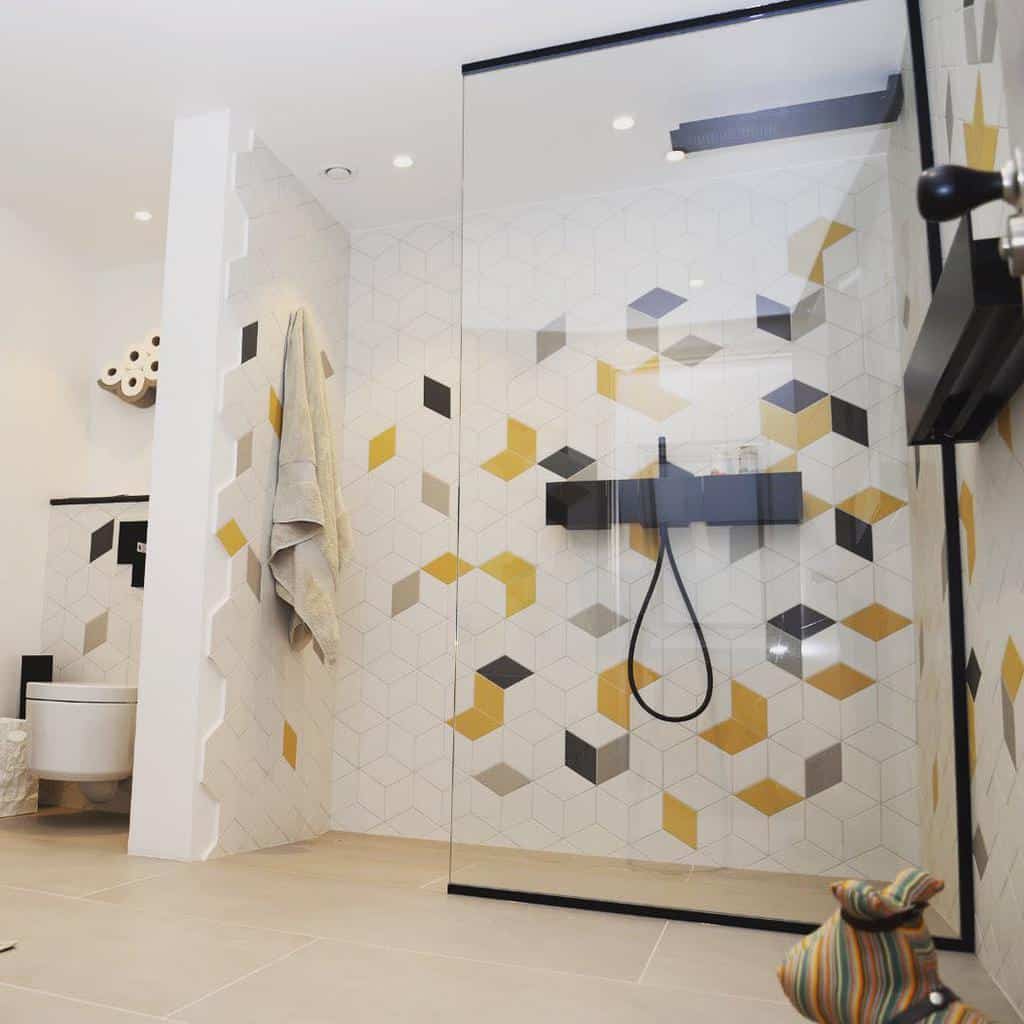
{"x": 349, "y": 929}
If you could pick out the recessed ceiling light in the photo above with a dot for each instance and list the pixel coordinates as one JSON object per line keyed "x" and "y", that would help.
{"x": 623, "y": 123}
{"x": 142, "y": 215}
{"x": 338, "y": 173}
{"x": 403, "y": 160}
{"x": 673, "y": 156}
{"x": 696, "y": 282}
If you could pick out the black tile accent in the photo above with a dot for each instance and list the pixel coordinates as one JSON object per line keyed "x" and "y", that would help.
{"x": 795, "y": 396}
{"x": 130, "y": 536}
{"x": 35, "y": 668}
{"x": 973, "y": 674}
{"x": 102, "y": 540}
{"x": 437, "y": 397}
{"x": 566, "y": 462}
{"x": 774, "y": 318}
{"x": 250, "y": 333}
{"x": 851, "y": 421}
{"x": 801, "y": 622}
{"x": 581, "y": 757}
{"x": 854, "y": 535}
{"x": 505, "y": 672}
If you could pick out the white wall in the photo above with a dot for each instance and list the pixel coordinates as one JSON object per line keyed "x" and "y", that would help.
{"x": 45, "y": 350}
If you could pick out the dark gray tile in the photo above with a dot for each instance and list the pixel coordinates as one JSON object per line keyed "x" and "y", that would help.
{"x": 980, "y": 852}
{"x": 784, "y": 651}
{"x": 566, "y": 462}
{"x": 823, "y": 770}
{"x": 597, "y": 620}
{"x": 744, "y": 540}
{"x": 505, "y": 672}
{"x": 101, "y": 541}
{"x": 437, "y": 397}
{"x": 250, "y": 343}
{"x": 854, "y": 535}
{"x": 801, "y": 621}
{"x": 774, "y": 318}
{"x": 254, "y": 573}
{"x": 795, "y": 396}
{"x": 613, "y": 758}
{"x": 1009, "y": 726}
{"x": 581, "y": 757}
{"x": 656, "y": 303}
{"x": 551, "y": 339}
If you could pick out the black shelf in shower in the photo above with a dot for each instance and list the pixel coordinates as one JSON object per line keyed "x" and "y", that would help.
{"x": 740, "y": 499}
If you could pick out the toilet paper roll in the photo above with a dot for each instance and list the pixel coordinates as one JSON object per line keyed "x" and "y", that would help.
{"x": 154, "y": 342}
{"x": 135, "y": 356}
{"x": 111, "y": 375}
{"x": 151, "y": 367}
{"x": 133, "y": 383}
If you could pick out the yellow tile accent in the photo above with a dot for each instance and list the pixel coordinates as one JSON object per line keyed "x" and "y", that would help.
{"x": 489, "y": 698}
{"x": 980, "y": 138}
{"x": 614, "y": 696}
{"x": 447, "y": 568}
{"x": 814, "y": 422}
{"x": 679, "y": 820}
{"x": 778, "y": 425}
{"x": 871, "y": 505}
{"x": 275, "y": 412}
{"x": 876, "y": 622}
{"x": 473, "y": 724}
{"x": 506, "y": 465}
{"x": 522, "y": 439}
{"x": 747, "y": 726}
{"x": 231, "y": 536}
{"x": 639, "y": 388}
{"x": 650, "y": 472}
{"x": 519, "y": 455}
{"x": 967, "y": 518}
{"x": 644, "y": 541}
{"x": 1012, "y": 669}
{"x": 1004, "y": 424}
{"x": 807, "y": 247}
{"x": 814, "y": 506}
{"x": 769, "y": 797}
{"x": 290, "y": 745}
{"x": 837, "y": 231}
{"x": 519, "y": 577}
{"x": 840, "y": 681}
{"x": 607, "y": 380}
{"x": 382, "y": 447}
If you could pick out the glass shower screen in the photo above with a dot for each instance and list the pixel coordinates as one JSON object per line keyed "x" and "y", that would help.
{"x": 686, "y": 665}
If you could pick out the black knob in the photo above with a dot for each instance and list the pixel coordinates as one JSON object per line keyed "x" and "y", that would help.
{"x": 948, "y": 192}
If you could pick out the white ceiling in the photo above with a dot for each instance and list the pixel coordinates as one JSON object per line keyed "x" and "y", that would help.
{"x": 91, "y": 91}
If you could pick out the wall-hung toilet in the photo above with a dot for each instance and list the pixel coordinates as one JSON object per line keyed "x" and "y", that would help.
{"x": 84, "y": 733}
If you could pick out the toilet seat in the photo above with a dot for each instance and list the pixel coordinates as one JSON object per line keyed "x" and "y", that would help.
{"x": 83, "y": 693}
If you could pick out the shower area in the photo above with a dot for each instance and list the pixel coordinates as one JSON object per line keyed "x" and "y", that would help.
{"x": 702, "y": 662}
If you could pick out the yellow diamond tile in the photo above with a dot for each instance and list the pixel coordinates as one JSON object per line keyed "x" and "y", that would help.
{"x": 876, "y": 622}
{"x": 1012, "y": 669}
{"x": 275, "y": 413}
{"x": 807, "y": 247}
{"x": 1004, "y": 425}
{"x": 507, "y": 567}
{"x": 522, "y": 440}
{"x": 981, "y": 139}
{"x": 618, "y": 675}
{"x": 840, "y": 681}
{"x": 489, "y": 698}
{"x": 769, "y": 797}
{"x": 382, "y": 447}
{"x": 507, "y": 465}
{"x": 290, "y": 745}
{"x": 640, "y": 389}
{"x": 679, "y": 820}
{"x": 607, "y": 380}
{"x": 231, "y": 536}
{"x": 731, "y": 736}
{"x": 447, "y": 568}
{"x": 814, "y": 506}
{"x": 520, "y": 593}
{"x": 967, "y": 518}
{"x": 613, "y": 703}
{"x": 473, "y": 724}
{"x": 814, "y": 422}
{"x": 871, "y": 505}
{"x": 644, "y": 541}
{"x": 750, "y": 709}
{"x": 778, "y": 425}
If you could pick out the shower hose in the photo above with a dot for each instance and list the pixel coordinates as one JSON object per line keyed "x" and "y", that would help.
{"x": 665, "y": 548}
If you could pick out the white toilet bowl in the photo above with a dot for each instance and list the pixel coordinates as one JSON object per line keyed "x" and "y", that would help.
{"x": 84, "y": 733}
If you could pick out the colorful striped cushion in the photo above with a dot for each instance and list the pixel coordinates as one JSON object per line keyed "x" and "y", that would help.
{"x": 842, "y": 974}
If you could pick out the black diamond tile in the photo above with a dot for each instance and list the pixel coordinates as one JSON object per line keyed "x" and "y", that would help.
{"x": 504, "y": 672}
{"x": 657, "y": 303}
{"x": 102, "y": 540}
{"x": 801, "y": 621}
{"x": 973, "y": 674}
{"x": 774, "y": 318}
{"x": 566, "y": 462}
{"x": 854, "y": 535}
{"x": 581, "y": 757}
{"x": 851, "y": 421}
{"x": 249, "y": 341}
{"x": 437, "y": 397}
{"x": 794, "y": 396}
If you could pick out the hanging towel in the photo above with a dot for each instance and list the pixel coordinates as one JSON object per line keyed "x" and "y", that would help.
{"x": 311, "y": 537}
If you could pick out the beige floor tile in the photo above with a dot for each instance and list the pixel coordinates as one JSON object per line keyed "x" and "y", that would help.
{"x": 149, "y": 962}
{"x": 727, "y": 961}
{"x": 335, "y": 982}
{"x": 73, "y": 868}
{"x": 964, "y": 974}
{"x": 22, "y": 1006}
{"x": 598, "y": 944}
{"x": 91, "y": 828}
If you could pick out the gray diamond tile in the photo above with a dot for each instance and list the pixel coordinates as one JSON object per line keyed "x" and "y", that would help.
{"x": 598, "y": 619}
{"x": 501, "y": 779}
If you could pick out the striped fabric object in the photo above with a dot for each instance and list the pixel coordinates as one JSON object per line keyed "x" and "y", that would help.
{"x": 844, "y": 975}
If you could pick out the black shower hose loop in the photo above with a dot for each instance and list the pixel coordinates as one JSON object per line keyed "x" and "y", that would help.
{"x": 664, "y": 546}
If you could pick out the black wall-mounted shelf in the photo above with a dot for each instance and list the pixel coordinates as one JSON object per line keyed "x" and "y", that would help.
{"x": 860, "y": 111}
{"x": 969, "y": 356}
{"x": 743, "y": 499}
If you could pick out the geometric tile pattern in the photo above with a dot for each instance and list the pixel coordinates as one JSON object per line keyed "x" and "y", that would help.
{"x": 268, "y": 762}
{"x": 519, "y": 455}
{"x": 819, "y": 715}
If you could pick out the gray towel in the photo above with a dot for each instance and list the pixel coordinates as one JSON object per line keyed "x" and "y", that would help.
{"x": 310, "y": 537}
